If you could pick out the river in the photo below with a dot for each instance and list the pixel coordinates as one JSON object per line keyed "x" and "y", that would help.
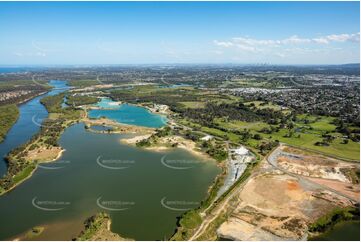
{"x": 25, "y": 127}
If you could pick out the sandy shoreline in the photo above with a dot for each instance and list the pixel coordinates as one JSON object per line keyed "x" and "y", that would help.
{"x": 136, "y": 139}
{"x": 166, "y": 144}
{"x": 117, "y": 127}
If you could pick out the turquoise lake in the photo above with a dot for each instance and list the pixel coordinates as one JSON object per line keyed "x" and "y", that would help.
{"x": 127, "y": 114}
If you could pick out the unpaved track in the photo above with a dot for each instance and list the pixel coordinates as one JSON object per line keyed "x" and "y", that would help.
{"x": 272, "y": 160}
{"x": 220, "y": 207}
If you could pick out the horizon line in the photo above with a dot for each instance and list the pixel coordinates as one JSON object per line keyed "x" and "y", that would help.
{"x": 176, "y": 63}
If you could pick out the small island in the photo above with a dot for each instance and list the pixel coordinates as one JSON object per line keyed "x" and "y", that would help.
{"x": 97, "y": 228}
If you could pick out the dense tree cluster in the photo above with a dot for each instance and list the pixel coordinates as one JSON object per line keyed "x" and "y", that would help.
{"x": 8, "y": 116}
{"x": 53, "y": 103}
{"x": 230, "y": 111}
{"x": 80, "y": 100}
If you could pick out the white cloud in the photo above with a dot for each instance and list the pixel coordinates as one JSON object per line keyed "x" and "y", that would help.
{"x": 321, "y": 40}
{"x": 344, "y": 37}
{"x": 222, "y": 43}
{"x": 249, "y": 44}
{"x": 296, "y": 49}
{"x": 295, "y": 40}
{"x": 338, "y": 38}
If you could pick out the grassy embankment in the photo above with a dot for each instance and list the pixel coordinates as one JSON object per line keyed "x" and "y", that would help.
{"x": 20, "y": 166}
{"x": 8, "y": 116}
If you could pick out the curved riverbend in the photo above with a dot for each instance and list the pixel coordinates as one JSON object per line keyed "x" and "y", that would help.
{"x": 25, "y": 128}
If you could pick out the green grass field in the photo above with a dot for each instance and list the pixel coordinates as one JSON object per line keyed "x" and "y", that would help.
{"x": 193, "y": 104}
{"x": 336, "y": 148}
{"x": 306, "y": 137}
{"x": 23, "y": 174}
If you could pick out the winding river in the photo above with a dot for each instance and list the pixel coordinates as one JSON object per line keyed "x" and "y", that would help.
{"x": 25, "y": 127}
{"x": 143, "y": 191}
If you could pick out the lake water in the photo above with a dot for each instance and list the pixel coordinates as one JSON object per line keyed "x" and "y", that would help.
{"x": 127, "y": 114}
{"x": 98, "y": 173}
{"x": 31, "y": 115}
{"x": 344, "y": 231}
{"x": 176, "y": 85}
{"x": 100, "y": 128}
{"x": 143, "y": 191}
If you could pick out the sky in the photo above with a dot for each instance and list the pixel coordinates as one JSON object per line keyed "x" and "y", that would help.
{"x": 90, "y": 33}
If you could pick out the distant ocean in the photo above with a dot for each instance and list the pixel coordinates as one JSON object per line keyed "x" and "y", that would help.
{"x": 18, "y": 69}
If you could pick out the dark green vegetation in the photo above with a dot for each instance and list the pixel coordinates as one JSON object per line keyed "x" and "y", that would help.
{"x": 19, "y": 167}
{"x": 53, "y": 103}
{"x": 8, "y": 116}
{"x": 80, "y": 100}
{"x": 173, "y": 97}
{"x": 214, "y": 148}
{"x": 83, "y": 83}
{"x": 338, "y": 215}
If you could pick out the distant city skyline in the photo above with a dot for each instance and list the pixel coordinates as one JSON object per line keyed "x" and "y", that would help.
{"x": 102, "y": 33}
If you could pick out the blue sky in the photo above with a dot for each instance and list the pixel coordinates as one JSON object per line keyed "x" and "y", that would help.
{"x": 179, "y": 32}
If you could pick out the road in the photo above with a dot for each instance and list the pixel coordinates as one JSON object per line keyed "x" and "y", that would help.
{"x": 272, "y": 160}
{"x": 220, "y": 207}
